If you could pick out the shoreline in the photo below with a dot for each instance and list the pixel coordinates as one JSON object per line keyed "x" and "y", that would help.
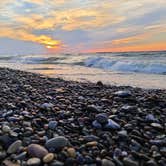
{"x": 54, "y": 122}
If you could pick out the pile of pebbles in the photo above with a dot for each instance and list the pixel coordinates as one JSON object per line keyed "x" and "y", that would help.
{"x": 53, "y": 122}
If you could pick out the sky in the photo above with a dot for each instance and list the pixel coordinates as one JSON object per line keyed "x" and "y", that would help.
{"x": 74, "y": 26}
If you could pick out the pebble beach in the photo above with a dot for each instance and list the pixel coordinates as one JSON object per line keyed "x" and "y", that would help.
{"x": 52, "y": 122}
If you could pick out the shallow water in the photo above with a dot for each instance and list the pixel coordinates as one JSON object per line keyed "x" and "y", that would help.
{"x": 146, "y": 70}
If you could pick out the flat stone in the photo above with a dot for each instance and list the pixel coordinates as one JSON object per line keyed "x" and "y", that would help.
{"x": 52, "y": 125}
{"x": 56, "y": 143}
{"x": 71, "y": 152}
{"x": 96, "y": 124}
{"x": 33, "y": 161}
{"x": 36, "y": 150}
{"x": 48, "y": 158}
{"x": 14, "y": 147}
{"x": 129, "y": 162}
{"x": 106, "y": 162}
{"x": 112, "y": 125}
{"x": 6, "y": 129}
{"x": 102, "y": 118}
{"x": 123, "y": 93}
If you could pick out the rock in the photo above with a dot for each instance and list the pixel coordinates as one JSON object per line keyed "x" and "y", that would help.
{"x": 52, "y": 125}
{"x": 57, "y": 163}
{"x": 21, "y": 156}
{"x": 93, "y": 143}
{"x": 6, "y": 129}
{"x": 106, "y": 162}
{"x": 56, "y": 143}
{"x": 46, "y": 106}
{"x": 99, "y": 83}
{"x": 102, "y": 118}
{"x": 157, "y": 126}
{"x": 122, "y": 134}
{"x": 33, "y": 161}
{"x": 36, "y": 150}
{"x": 71, "y": 152}
{"x": 14, "y": 147}
{"x": 96, "y": 124}
{"x": 92, "y": 108}
{"x": 6, "y": 140}
{"x": 2, "y": 155}
{"x": 48, "y": 158}
{"x": 150, "y": 118}
{"x": 89, "y": 138}
{"x": 112, "y": 125}
{"x": 130, "y": 162}
{"x": 151, "y": 163}
{"x": 123, "y": 93}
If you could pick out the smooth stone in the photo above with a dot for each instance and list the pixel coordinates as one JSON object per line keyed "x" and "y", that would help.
{"x": 6, "y": 129}
{"x": 21, "y": 156}
{"x": 52, "y": 125}
{"x": 14, "y": 147}
{"x": 2, "y": 155}
{"x": 112, "y": 125}
{"x": 106, "y": 162}
{"x": 36, "y": 150}
{"x": 156, "y": 125}
{"x": 129, "y": 162}
{"x": 56, "y": 143}
{"x": 48, "y": 158}
{"x": 93, "y": 143}
{"x": 57, "y": 163}
{"x": 123, "y": 93}
{"x": 151, "y": 163}
{"x": 96, "y": 124}
{"x": 90, "y": 138}
{"x": 47, "y": 106}
{"x": 92, "y": 108}
{"x": 102, "y": 118}
{"x": 6, "y": 141}
{"x": 150, "y": 118}
{"x": 33, "y": 161}
{"x": 122, "y": 134}
{"x": 71, "y": 152}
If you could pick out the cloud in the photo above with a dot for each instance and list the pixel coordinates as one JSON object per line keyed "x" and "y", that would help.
{"x": 26, "y": 36}
{"x": 59, "y": 23}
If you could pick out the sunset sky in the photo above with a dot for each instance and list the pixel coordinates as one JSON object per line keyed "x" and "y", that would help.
{"x": 51, "y": 26}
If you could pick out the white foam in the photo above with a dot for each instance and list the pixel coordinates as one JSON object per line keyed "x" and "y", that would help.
{"x": 126, "y": 65}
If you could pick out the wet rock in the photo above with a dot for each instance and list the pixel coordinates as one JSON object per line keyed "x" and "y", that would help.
{"x": 151, "y": 163}
{"x": 46, "y": 106}
{"x": 52, "y": 125}
{"x": 6, "y": 129}
{"x": 71, "y": 152}
{"x": 106, "y": 162}
{"x": 150, "y": 118}
{"x": 157, "y": 126}
{"x": 14, "y": 147}
{"x": 130, "y": 162}
{"x": 96, "y": 124}
{"x": 56, "y": 143}
{"x": 102, "y": 118}
{"x": 112, "y": 125}
{"x": 36, "y": 150}
{"x": 123, "y": 93}
{"x": 33, "y": 162}
{"x": 48, "y": 158}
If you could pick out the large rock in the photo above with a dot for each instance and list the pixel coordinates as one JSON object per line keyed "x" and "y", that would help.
{"x": 36, "y": 150}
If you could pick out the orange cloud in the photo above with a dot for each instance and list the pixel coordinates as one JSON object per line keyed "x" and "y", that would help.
{"x": 26, "y": 36}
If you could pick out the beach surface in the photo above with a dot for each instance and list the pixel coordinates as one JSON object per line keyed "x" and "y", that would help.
{"x": 50, "y": 121}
